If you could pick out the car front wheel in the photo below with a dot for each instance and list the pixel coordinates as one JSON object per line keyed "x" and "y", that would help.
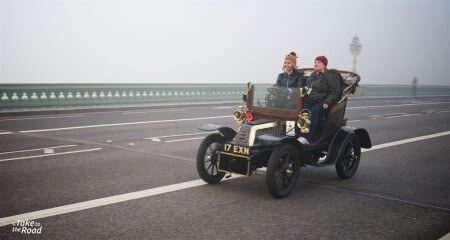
{"x": 207, "y": 158}
{"x": 283, "y": 170}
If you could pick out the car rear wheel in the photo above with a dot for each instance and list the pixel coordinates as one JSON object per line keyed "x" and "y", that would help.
{"x": 283, "y": 171}
{"x": 348, "y": 161}
{"x": 207, "y": 158}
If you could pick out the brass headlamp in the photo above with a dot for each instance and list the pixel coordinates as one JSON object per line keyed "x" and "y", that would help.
{"x": 239, "y": 114}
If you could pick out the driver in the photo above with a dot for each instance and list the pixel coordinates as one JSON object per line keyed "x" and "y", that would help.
{"x": 291, "y": 77}
{"x": 322, "y": 90}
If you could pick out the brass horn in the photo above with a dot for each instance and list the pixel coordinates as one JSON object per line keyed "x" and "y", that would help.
{"x": 304, "y": 120}
{"x": 239, "y": 114}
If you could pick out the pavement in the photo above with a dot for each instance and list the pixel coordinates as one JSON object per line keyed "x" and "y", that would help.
{"x": 129, "y": 173}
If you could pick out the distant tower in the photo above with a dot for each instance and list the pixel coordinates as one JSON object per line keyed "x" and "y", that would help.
{"x": 355, "y": 49}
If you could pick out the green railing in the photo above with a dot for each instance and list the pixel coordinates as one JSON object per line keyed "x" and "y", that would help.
{"x": 46, "y": 95}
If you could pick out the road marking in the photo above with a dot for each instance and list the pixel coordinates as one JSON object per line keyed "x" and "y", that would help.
{"x": 36, "y": 149}
{"x": 354, "y": 121}
{"x": 52, "y": 154}
{"x": 183, "y": 139}
{"x": 122, "y": 124}
{"x": 154, "y": 139}
{"x": 178, "y": 135}
{"x": 223, "y": 107}
{"x": 33, "y": 118}
{"x": 406, "y": 115}
{"x": 4, "y": 133}
{"x": 155, "y": 191}
{"x": 398, "y": 105}
{"x": 102, "y": 201}
{"x": 153, "y": 111}
{"x": 387, "y": 114}
{"x": 435, "y": 110}
{"x": 404, "y": 141}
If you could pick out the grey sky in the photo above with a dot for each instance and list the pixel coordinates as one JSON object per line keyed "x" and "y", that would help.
{"x": 218, "y": 41}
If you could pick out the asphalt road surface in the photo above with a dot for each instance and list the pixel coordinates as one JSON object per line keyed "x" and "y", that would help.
{"x": 130, "y": 174}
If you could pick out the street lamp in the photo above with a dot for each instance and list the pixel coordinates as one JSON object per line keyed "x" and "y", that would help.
{"x": 355, "y": 49}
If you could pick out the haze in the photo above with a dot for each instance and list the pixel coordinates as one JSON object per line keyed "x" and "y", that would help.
{"x": 219, "y": 41}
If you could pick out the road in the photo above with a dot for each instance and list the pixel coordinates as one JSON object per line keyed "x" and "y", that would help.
{"x": 130, "y": 174}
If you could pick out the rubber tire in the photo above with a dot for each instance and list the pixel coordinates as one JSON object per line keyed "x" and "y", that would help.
{"x": 340, "y": 163}
{"x": 202, "y": 171}
{"x": 272, "y": 167}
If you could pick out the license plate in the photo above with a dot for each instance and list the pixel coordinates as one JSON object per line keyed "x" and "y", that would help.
{"x": 236, "y": 149}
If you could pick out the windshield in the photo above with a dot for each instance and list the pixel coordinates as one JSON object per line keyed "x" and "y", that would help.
{"x": 276, "y": 97}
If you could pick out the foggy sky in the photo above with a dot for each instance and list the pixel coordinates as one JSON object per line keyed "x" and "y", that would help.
{"x": 218, "y": 41}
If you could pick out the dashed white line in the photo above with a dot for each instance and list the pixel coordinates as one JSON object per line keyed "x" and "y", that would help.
{"x": 52, "y": 154}
{"x": 122, "y": 124}
{"x": 34, "y": 118}
{"x": 37, "y": 149}
{"x": 404, "y": 141}
{"x": 398, "y": 105}
{"x": 5, "y": 133}
{"x": 154, "y": 111}
{"x": 405, "y": 115}
{"x": 178, "y": 135}
{"x": 183, "y": 139}
{"x": 223, "y": 107}
{"x": 102, "y": 201}
{"x": 155, "y": 191}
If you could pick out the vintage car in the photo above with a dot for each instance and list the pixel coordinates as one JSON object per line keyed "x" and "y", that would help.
{"x": 267, "y": 138}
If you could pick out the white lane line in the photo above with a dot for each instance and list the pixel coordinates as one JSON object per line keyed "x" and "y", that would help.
{"x": 387, "y": 114}
{"x": 183, "y": 139}
{"x": 5, "y": 133}
{"x": 102, "y": 201}
{"x": 223, "y": 107}
{"x": 406, "y": 115}
{"x": 353, "y": 121}
{"x": 154, "y": 139}
{"x": 180, "y": 135}
{"x": 33, "y": 118}
{"x": 52, "y": 154}
{"x": 404, "y": 141}
{"x": 153, "y": 191}
{"x": 36, "y": 149}
{"x": 154, "y": 111}
{"x": 398, "y": 105}
{"x": 122, "y": 124}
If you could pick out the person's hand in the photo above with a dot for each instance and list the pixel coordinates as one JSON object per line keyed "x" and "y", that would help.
{"x": 325, "y": 106}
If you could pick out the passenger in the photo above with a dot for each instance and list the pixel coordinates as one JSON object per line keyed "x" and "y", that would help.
{"x": 323, "y": 89}
{"x": 291, "y": 77}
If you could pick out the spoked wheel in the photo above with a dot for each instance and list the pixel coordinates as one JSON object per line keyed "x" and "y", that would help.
{"x": 283, "y": 171}
{"x": 348, "y": 162}
{"x": 207, "y": 157}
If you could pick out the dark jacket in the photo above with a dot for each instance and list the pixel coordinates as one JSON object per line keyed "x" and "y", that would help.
{"x": 326, "y": 87}
{"x": 296, "y": 79}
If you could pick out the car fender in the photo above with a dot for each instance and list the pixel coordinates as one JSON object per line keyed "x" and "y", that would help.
{"x": 336, "y": 145}
{"x": 226, "y": 132}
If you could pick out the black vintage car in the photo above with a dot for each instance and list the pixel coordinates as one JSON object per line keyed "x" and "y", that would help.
{"x": 267, "y": 138}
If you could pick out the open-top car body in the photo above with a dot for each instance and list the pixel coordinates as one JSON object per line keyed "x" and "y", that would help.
{"x": 269, "y": 124}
